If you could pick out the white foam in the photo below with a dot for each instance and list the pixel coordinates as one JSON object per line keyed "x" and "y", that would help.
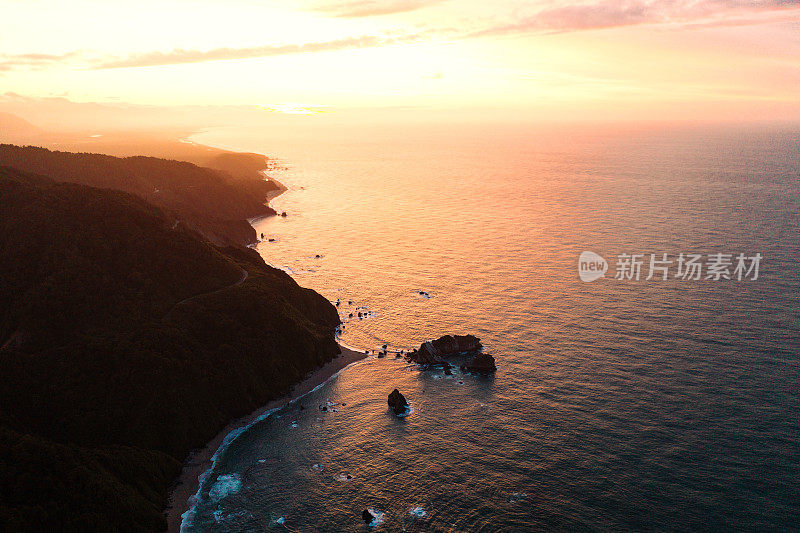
{"x": 418, "y": 512}
{"x": 220, "y": 516}
{"x": 517, "y": 497}
{"x": 194, "y": 500}
{"x": 407, "y": 412}
{"x": 225, "y": 485}
{"x": 378, "y": 517}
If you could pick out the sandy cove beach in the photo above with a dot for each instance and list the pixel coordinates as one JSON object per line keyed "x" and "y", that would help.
{"x": 201, "y": 460}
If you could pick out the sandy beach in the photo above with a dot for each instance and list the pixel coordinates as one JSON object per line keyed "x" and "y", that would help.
{"x": 201, "y": 460}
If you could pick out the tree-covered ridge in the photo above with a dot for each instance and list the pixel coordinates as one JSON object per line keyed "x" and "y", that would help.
{"x": 210, "y": 201}
{"x": 106, "y": 384}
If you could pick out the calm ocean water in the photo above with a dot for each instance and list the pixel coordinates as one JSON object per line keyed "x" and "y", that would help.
{"x": 617, "y": 404}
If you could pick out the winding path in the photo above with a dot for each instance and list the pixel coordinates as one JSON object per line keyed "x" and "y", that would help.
{"x": 215, "y": 291}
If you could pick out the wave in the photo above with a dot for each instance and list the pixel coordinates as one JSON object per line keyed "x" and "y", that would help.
{"x": 188, "y": 517}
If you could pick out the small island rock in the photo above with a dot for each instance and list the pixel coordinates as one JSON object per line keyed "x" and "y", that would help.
{"x": 367, "y": 516}
{"x": 434, "y": 352}
{"x": 398, "y": 402}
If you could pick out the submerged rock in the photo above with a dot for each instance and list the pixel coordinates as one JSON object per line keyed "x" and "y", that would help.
{"x": 398, "y": 402}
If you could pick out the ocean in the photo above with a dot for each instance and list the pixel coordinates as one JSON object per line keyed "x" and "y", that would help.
{"x": 618, "y": 404}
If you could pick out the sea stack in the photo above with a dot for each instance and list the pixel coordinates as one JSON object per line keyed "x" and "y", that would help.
{"x": 398, "y": 402}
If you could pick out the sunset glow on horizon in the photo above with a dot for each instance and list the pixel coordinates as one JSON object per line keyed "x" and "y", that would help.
{"x": 601, "y": 59}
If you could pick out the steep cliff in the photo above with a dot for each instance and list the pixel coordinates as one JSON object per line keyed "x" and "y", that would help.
{"x": 126, "y": 342}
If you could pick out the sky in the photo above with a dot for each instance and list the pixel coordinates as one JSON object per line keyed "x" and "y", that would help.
{"x": 626, "y": 59}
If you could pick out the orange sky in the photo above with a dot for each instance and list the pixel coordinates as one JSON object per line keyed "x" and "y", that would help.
{"x": 629, "y": 59}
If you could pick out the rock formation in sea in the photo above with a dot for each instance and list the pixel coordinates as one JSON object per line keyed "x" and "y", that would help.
{"x": 482, "y": 363}
{"x": 398, "y": 402}
{"x": 367, "y": 516}
{"x": 434, "y": 352}
{"x": 437, "y": 352}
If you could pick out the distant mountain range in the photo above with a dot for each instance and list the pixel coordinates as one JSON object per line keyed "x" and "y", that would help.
{"x": 213, "y": 202}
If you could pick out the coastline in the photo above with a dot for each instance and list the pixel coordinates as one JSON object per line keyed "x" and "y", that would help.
{"x": 201, "y": 460}
{"x": 280, "y": 188}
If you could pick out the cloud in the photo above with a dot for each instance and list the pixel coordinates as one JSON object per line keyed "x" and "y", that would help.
{"x": 555, "y": 17}
{"x": 369, "y": 8}
{"x": 33, "y": 61}
{"x": 181, "y": 56}
{"x": 577, "y": 16}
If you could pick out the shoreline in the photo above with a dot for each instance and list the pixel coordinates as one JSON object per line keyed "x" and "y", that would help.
{"x": 271, "y": 195}
{"x": 201, "y": 460}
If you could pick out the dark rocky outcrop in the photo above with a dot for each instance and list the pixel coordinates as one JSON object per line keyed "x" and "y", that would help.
{"x": 367, "y": 516}
{"x": 482, "y": 363}
{"x": 437, "y": 352}
{"x": 434, "y": 352}
{"x": 398, "y": 402}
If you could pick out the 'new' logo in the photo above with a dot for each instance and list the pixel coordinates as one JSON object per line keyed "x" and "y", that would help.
{"x": 591, "y": 266}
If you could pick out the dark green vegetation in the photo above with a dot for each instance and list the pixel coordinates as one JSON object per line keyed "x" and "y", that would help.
{"x": 211, "y": 201}
{"x": 105, "y": 383}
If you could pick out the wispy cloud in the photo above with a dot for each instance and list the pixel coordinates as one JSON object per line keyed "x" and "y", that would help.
{"x": 555, "y": 17}
{"x": 176, "y": 57}
{"x": 369, "y": 8}
{"x": 181, "y": 56}
{"x": 33, "y": 61}
{"x": 577, "y": 16}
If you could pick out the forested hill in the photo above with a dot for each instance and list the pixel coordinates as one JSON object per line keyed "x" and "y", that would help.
{"x": 208, "y": 200}
{"x": 105, "y": 383}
